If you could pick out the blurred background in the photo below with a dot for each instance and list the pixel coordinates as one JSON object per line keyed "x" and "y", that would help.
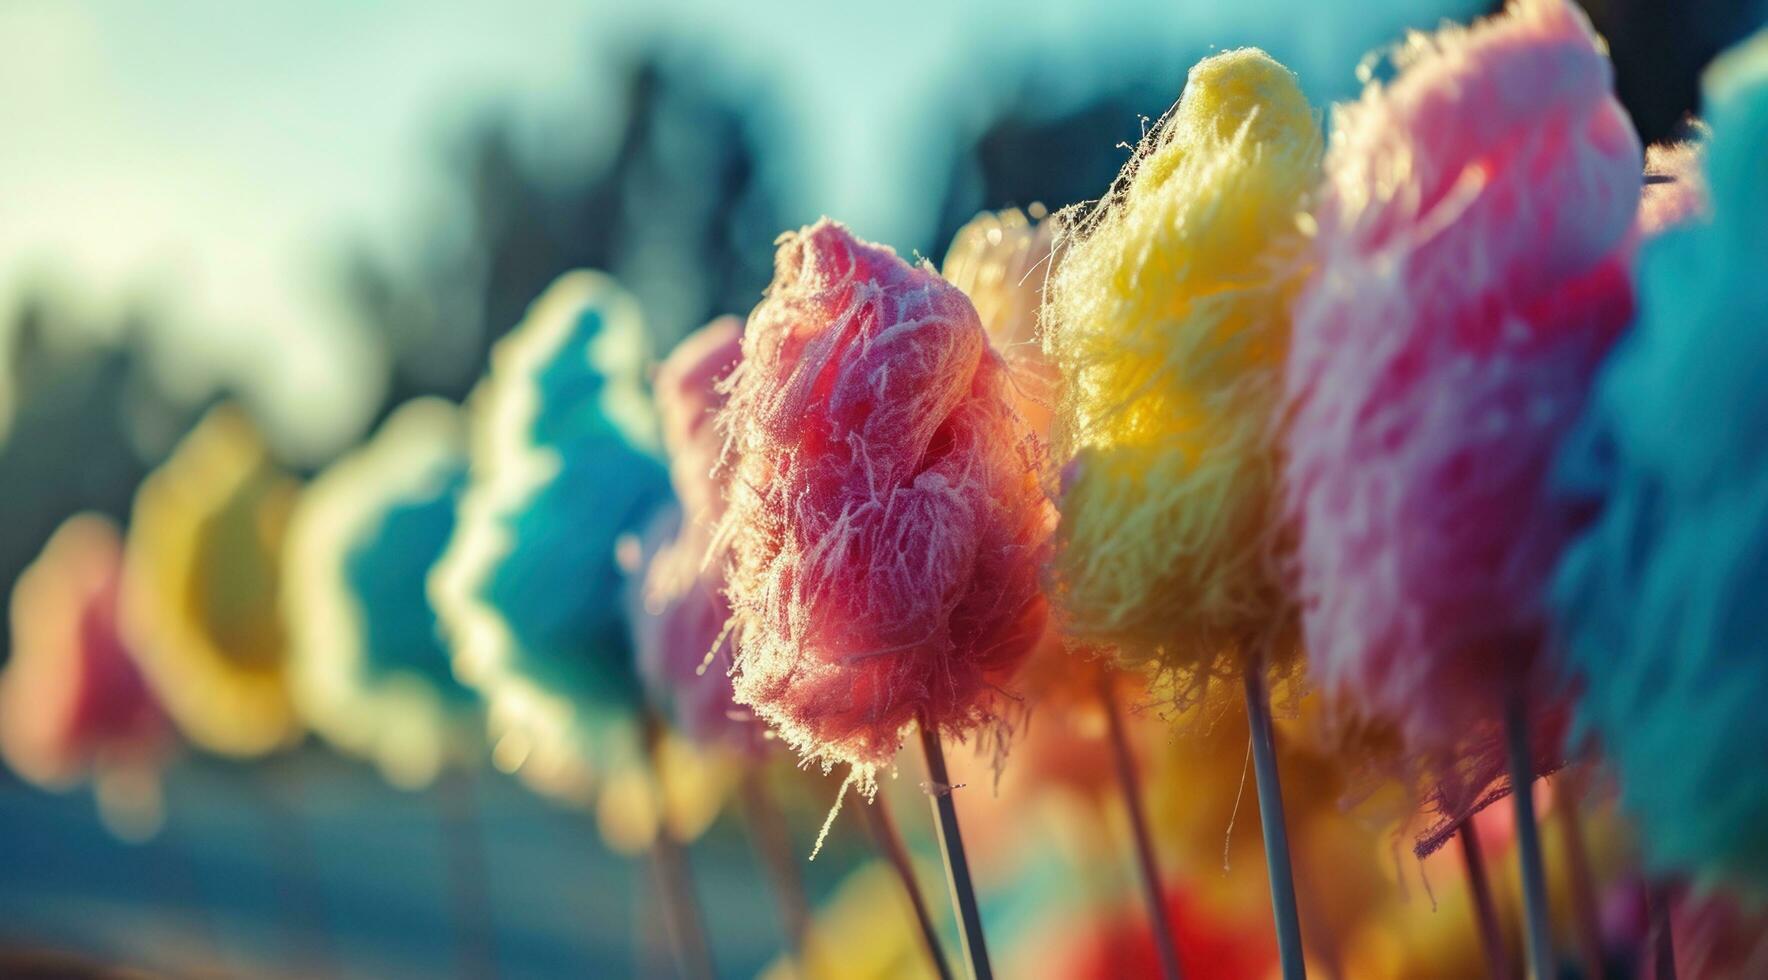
{"x": 323, "y": 209}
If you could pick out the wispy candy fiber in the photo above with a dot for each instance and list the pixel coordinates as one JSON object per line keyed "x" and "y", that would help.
{"x": 370, "y": 671}
{"x": 1168, "y": 321}
{"x": 678, "y": 609}
{"x": 1659, "y": 602}
{"x": 885, "y": 521}
{"x": 563, "y": 439}
{"x": 201, "y": 583}
{"x": 1474, "y": 236}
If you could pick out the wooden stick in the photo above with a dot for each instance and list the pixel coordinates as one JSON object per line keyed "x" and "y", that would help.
{"x": 1528, "y": 839}
{"x": 957, "y": 867}
{"x": 469, "y": 878}
{"x": 889, "y": 841}
{"x": 767, "y": 832}
{"x": 307, "y": 928}
{"x": 1577, "y": 858}
{"x": 1270, "y": 811}
{"x": 1661, "y": 936}
{"x": 1158, "y": 916}
{"x": 675, "y": 880}
{"x": 1485, "y": 913}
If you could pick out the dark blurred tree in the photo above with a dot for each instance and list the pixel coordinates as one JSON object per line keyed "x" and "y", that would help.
{"x": 1659, "y": 49}
{"x": 88, "y": 420}
{"x": 683, "y": 211}
{"x": 1032, "y": 153}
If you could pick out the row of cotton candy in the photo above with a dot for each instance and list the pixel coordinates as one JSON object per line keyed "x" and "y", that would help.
{"x": 1430, "y": 410}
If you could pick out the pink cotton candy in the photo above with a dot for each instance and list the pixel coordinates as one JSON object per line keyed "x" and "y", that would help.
{"x": 71, "y": 699}
{"x": 679, "y": 612}
{"x": 1473, "y": 248}
{"x": 886, "y": 523}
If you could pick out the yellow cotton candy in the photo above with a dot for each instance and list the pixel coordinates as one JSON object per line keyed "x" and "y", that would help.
{"x": 201, "y": 584}
{"x": 1167, "y": 320}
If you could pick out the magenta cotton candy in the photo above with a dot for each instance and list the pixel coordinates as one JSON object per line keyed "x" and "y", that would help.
{"x": 885, "y": 523}
{"x": 1472, "y": 267}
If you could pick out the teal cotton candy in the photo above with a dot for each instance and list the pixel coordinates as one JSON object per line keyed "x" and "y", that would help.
{"x": 1663, "y": 602}
{"x": 565, "y": 468}
{"x": 370, "y": 672}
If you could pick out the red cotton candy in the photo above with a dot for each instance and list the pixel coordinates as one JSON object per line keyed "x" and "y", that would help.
{"x": 1472, "y": 267}
{"x": 885, "y": 521}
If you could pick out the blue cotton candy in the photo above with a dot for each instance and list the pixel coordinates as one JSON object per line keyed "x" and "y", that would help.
{"x": 1663, "y": 603}
{"x": 564, "y": 468}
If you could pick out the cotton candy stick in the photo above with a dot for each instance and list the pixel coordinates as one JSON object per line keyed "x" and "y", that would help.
{"x": 1159, "y": 918}
{"x": 1479, "y": 888}
{"x": 885, "y": 522}
{"x": 1167, "y": 319}
{"x": 1528, "y": 841}
{"x": 889, "y": 840}
{"x": 682, "y": 913}
{"x": 1270, "y": 809}
{"x": 1002, "y": 261}
{"x": 957, "y": 866}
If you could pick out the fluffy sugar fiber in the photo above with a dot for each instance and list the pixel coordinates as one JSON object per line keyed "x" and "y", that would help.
{"x": 369, "y": 668}
{"x": 564, "y": 465}
{"x": 678, "y": 610}
{"x": 201, "y": 588}
{"x": 1660, "y": 601}
{"x": 1167, "y": 319}
{"x": 1439, "y": 357}
{"x": 885, "y": 520}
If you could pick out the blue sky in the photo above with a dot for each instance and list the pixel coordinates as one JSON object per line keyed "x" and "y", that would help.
{"x": 211, "y": 156}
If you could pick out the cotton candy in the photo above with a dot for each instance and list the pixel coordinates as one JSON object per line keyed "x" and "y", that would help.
{"x": 564, "y": 465}
{"x": 1001, "y": 260}
{"x": 201, "y": 581}
{"x": 678, "y": 610}
{"x": 370, "y": 671}
{"x": 71, "y": 698}
{"x": 1471, "y": 269}
{"x": 885, "y": 520}
{"x": 1659, "y": 601}
{"x": 1167, "y": 320}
